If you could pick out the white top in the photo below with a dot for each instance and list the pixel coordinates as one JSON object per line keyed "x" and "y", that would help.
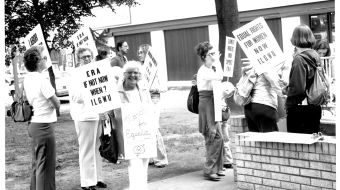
{"x": 205, "y": 76}
{"x": 134, "y": 96}
{"x": 38, "y": 90}
{"x": 78, "y": 110}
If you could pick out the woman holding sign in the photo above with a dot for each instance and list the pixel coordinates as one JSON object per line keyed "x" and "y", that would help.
{"x": 161, "y": 160}
{"x": 41, "y": 95}
{"x": 210, "y": 71}
{"x": 132, "y": 92}
{"x": 88, "y": 131}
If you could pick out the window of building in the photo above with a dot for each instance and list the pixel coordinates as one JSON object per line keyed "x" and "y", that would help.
{"x": 323, "y": 26}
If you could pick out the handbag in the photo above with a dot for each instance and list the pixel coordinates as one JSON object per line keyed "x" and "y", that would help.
{"x": 193, "y": 99}
{"x": 108, "y": 148}
{"x": 21, "y": 110}
{"x": 242, "y": 95}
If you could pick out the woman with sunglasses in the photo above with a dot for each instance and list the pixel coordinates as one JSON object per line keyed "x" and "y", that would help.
{"x": 210, "y": 71}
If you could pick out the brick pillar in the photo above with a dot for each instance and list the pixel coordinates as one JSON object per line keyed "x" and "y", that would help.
{"x": 238, "y": 124}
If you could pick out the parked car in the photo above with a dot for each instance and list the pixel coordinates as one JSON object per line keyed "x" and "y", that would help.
{"x": 62, "y": 80}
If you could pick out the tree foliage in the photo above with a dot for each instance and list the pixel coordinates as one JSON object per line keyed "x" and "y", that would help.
{"x": 61, "y": 16}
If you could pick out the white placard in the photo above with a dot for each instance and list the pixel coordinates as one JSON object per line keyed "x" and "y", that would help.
{"x": 217, "y": 91}
{"x": 229, "y": 56}
{"x": 36, "y": 37}
{"x": 139, "y": 129}
{"x": 98, "y": 86}
{"x": 259, "y": 44}
{"x": 149, "y": 68}
{"x": 83, "y": 37}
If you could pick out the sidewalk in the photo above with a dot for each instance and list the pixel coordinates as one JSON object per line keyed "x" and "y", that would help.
{"x": 195, "y": 181}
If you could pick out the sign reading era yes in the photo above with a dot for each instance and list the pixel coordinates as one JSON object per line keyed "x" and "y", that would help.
{"x": 259, "y": 44}
{"x": 36, "y": 37}
{"x": 139, "y": 129}
{"x": 229, "y": 58}
{"x": 97, "y": 86}
{"x": 83, "y": 37}
{"x": 149, "y": 68}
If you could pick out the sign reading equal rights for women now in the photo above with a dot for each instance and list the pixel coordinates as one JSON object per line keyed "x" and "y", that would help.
{"x": 83, "y": 37}
{"x": 259, "y": 44}
{"x": 139, "y": 129}
{"x": 98, "y": 86}
{"x": 229, "y": 57}
{"x": 36, "y": 37}
{"x": 149, "y": 68}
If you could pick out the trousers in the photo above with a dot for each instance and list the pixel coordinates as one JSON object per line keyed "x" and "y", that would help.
{"x": 43, "y": 156}
{"x": 90, "y": 161}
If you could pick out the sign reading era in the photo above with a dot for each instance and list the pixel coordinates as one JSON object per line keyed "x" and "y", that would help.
{"x": 259, "y": 44}
{"x": 83, "y": 37}
{"x": 139, "y": 129}
{"x": 98, "y": 86}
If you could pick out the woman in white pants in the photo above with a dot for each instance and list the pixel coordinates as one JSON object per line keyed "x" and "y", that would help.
{"x": 88, "y": 131}
{"x": 132, "y": 92}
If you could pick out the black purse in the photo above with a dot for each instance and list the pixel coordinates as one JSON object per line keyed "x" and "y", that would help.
{"x": 193, "y": 99}
{"x": 21, "y": 110}
{"x": 109, "y": 144}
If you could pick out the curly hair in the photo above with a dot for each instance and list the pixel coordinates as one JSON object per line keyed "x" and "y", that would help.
{"x": 322, "y": 44}
{"x": 202, "y": 49}
{"x": 302, "y": 37}
{"x": 32, "y": 57}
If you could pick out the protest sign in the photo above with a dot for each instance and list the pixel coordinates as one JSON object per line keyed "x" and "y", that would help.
{"x": 149, "y": 68}
{"x": 98, "y": 86}
{"x": 83, "y": 37}
{"x": 139, "y": 129}
{"x": 229, "y": 57}
{"x": 259, "y": 44}
{"x": 36, "y": 37}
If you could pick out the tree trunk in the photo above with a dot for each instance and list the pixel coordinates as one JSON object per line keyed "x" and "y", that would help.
{"x": 228, "y": 20}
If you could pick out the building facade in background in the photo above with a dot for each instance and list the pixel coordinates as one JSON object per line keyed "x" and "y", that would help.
{"x": 173, "y": 28}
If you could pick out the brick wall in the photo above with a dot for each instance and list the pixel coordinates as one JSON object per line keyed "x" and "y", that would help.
{"x": 276, "y": 166}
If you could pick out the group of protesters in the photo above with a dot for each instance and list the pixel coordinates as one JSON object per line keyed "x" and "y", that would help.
{"x": 261, "y": 112}
{"x": 287, "y": 80}
{"x": 131, "y": 89}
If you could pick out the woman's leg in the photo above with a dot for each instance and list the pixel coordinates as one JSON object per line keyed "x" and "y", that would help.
{"x": 99, "y": 163}
{"x": 87, "y": 134}
{"x": 228, "y": 158}
{"x": 214, "y": 152}
{"x": 138, "y": 174}
{"x": 44, "y": 156}
{"x": 250, "y": 114}
{"x": 161, "y": 159}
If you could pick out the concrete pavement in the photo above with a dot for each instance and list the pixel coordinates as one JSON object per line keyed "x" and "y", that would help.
{"x": 196, "y": 181}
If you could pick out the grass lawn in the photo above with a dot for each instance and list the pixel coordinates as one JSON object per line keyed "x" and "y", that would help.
{"x": 185, "y": 148}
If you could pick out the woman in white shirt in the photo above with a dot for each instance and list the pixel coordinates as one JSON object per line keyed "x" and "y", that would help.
{"x": 132, "y": 91}
{"x": 88, "y": 131}
{"x": 41, "y": 95}
{"x": 210, "y": 71}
